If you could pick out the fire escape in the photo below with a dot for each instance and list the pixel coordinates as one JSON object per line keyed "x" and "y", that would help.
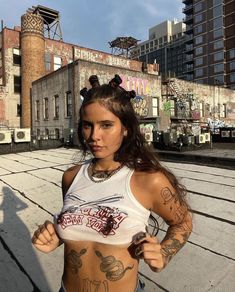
{"x": 179, "y": 101}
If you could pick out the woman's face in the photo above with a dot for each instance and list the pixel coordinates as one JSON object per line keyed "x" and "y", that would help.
{"x": 102, "y": 131}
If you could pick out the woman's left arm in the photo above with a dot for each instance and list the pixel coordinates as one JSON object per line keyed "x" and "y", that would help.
{"x": 174, "y": 211}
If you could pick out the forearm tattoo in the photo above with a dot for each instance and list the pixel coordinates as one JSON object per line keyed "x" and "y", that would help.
{"x": 73, "y": 260}
{"x": 113, "y": 269}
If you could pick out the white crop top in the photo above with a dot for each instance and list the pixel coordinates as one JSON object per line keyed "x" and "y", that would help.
{"x": 105, "y": 212}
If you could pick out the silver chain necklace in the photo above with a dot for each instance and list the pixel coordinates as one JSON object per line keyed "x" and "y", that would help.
{"x": 101, "y": 175}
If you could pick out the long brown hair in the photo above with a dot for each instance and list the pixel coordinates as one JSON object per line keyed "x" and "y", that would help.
{"x": 134, "y": 152}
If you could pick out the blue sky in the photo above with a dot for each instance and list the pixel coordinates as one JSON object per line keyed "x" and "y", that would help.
{"x": 94, "y": 23}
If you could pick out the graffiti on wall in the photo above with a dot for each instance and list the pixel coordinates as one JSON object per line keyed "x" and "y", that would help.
{"x": 147, "y": 131}
{"x": 102, "y": 58}
{"x": 141, "y": 86}
{"x": 140, "y": 106}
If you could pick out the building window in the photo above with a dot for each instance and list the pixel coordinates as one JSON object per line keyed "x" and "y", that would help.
{"x": 232, "y": 77}
{"x": 46, "y": 108}
{"x": 38, "y": 134}
{"x": 17, "y": 84}
{"x": 231, "y": 53}
{"x": 68, "y": 104}
{"x": 173, "y": 108}
{"x": 218, "y": 79}
{"x": 16, "y": 57}
{"x": 198, "y": 72}
{"x": 217, "y": 2}
{"x": 56, "y": 107}
{"x": 217, "y": 22}
{"x": 218, "y": 33}
{"x": 155, "y": 105}
{"x": 37, "y": 110}
{"x": 199, "y": 61}
{"x": 57, "y": 133}
{"x": 46, "y": 133}
{"x": 57, "y": 62}
{"x": 47, "y": 61}
{"x": 198, "y": 18}
{"x": 198, "y": 40}
{"x": 198, "y": 29}
{"x": 19, "y": 110}
{"x": 219, "y": 56}
{"x": 218, "y": 67}
{"x": 218, "y": 11}
{"x": 224, "y": 112}
{"x": 198, "y": 7}
{"x": 202, "y": 109}
{"x": 232, "y": 65}
{"x": 198, "y": 51}
{"x": 218, "y": 45}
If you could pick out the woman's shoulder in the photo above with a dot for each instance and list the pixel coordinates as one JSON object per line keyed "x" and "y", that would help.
{"x": 151, "y": 180}
{"x": 69, "y": 175}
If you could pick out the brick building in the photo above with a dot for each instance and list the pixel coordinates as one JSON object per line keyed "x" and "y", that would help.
{"x": 40, "y": 81}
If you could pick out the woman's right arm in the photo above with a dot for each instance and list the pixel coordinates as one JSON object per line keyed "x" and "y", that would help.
{"x": 45, "y": 237}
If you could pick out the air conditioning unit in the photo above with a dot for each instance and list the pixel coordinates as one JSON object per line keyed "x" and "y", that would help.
{"x": 5, "y": 137}
{"x": 202, "y": 138}
{"x": 225, "y": 133}
{"x": 207, "y": 137}
{"x": 148, "y": 136}
{"x": 22, "y": 135}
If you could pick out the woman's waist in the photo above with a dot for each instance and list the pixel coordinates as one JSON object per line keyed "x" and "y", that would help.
{"x": 89, "y": 264}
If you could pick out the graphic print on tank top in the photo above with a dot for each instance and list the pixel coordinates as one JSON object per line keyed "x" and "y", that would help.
{"x": 95, "y": 215}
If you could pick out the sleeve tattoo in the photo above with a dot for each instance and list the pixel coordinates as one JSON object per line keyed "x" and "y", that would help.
{"x": 179, "y": 230}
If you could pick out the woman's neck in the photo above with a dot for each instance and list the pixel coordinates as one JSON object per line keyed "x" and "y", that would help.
{"x": 105, "y": 164}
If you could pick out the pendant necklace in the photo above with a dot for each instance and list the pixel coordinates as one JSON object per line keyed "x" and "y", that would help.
{"x": 101, "y": 175}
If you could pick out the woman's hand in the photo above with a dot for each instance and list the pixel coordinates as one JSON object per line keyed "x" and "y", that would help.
{"x": 45, "y": 238}
{"x": 149, "y": 249}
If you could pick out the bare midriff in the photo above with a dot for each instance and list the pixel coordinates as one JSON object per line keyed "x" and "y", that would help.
{"x": 97, "y": 267}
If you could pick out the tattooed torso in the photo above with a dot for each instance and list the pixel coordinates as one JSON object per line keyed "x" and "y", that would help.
{"x": 96, "y": 267}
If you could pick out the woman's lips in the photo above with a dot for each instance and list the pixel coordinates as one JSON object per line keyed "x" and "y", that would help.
{"x": 96, "y": 148}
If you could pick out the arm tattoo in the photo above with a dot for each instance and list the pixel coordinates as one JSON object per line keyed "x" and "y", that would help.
{"x": 173, "y": 244}
{"x": 177, "y": 206}
{"x": 74, "y": 261}
{"x": 113, "y": 269}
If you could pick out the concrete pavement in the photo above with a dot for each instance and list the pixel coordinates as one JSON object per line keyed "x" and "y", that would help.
{"x": 30, "y": 193}
{"x": 220, "y": 155}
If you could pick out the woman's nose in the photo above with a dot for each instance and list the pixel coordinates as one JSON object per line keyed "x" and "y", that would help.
{"x": 95, "y": 134}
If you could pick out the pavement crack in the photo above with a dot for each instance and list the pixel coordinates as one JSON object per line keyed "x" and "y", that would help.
{"x": 11, "y": 254}
{"x": 213, "y": 217}
{"x": 150, "y": 280}
{"x": 210, "y": 196}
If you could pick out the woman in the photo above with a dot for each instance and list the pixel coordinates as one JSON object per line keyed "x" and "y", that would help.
{"x": 108, "y": 201}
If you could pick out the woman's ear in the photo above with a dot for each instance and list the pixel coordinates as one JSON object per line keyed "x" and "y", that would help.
{"x": 125, "y": 132}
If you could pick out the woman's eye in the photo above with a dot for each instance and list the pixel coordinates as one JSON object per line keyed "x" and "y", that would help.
{"x": 106, "y": 126}
{"x": 86, "y": 126}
